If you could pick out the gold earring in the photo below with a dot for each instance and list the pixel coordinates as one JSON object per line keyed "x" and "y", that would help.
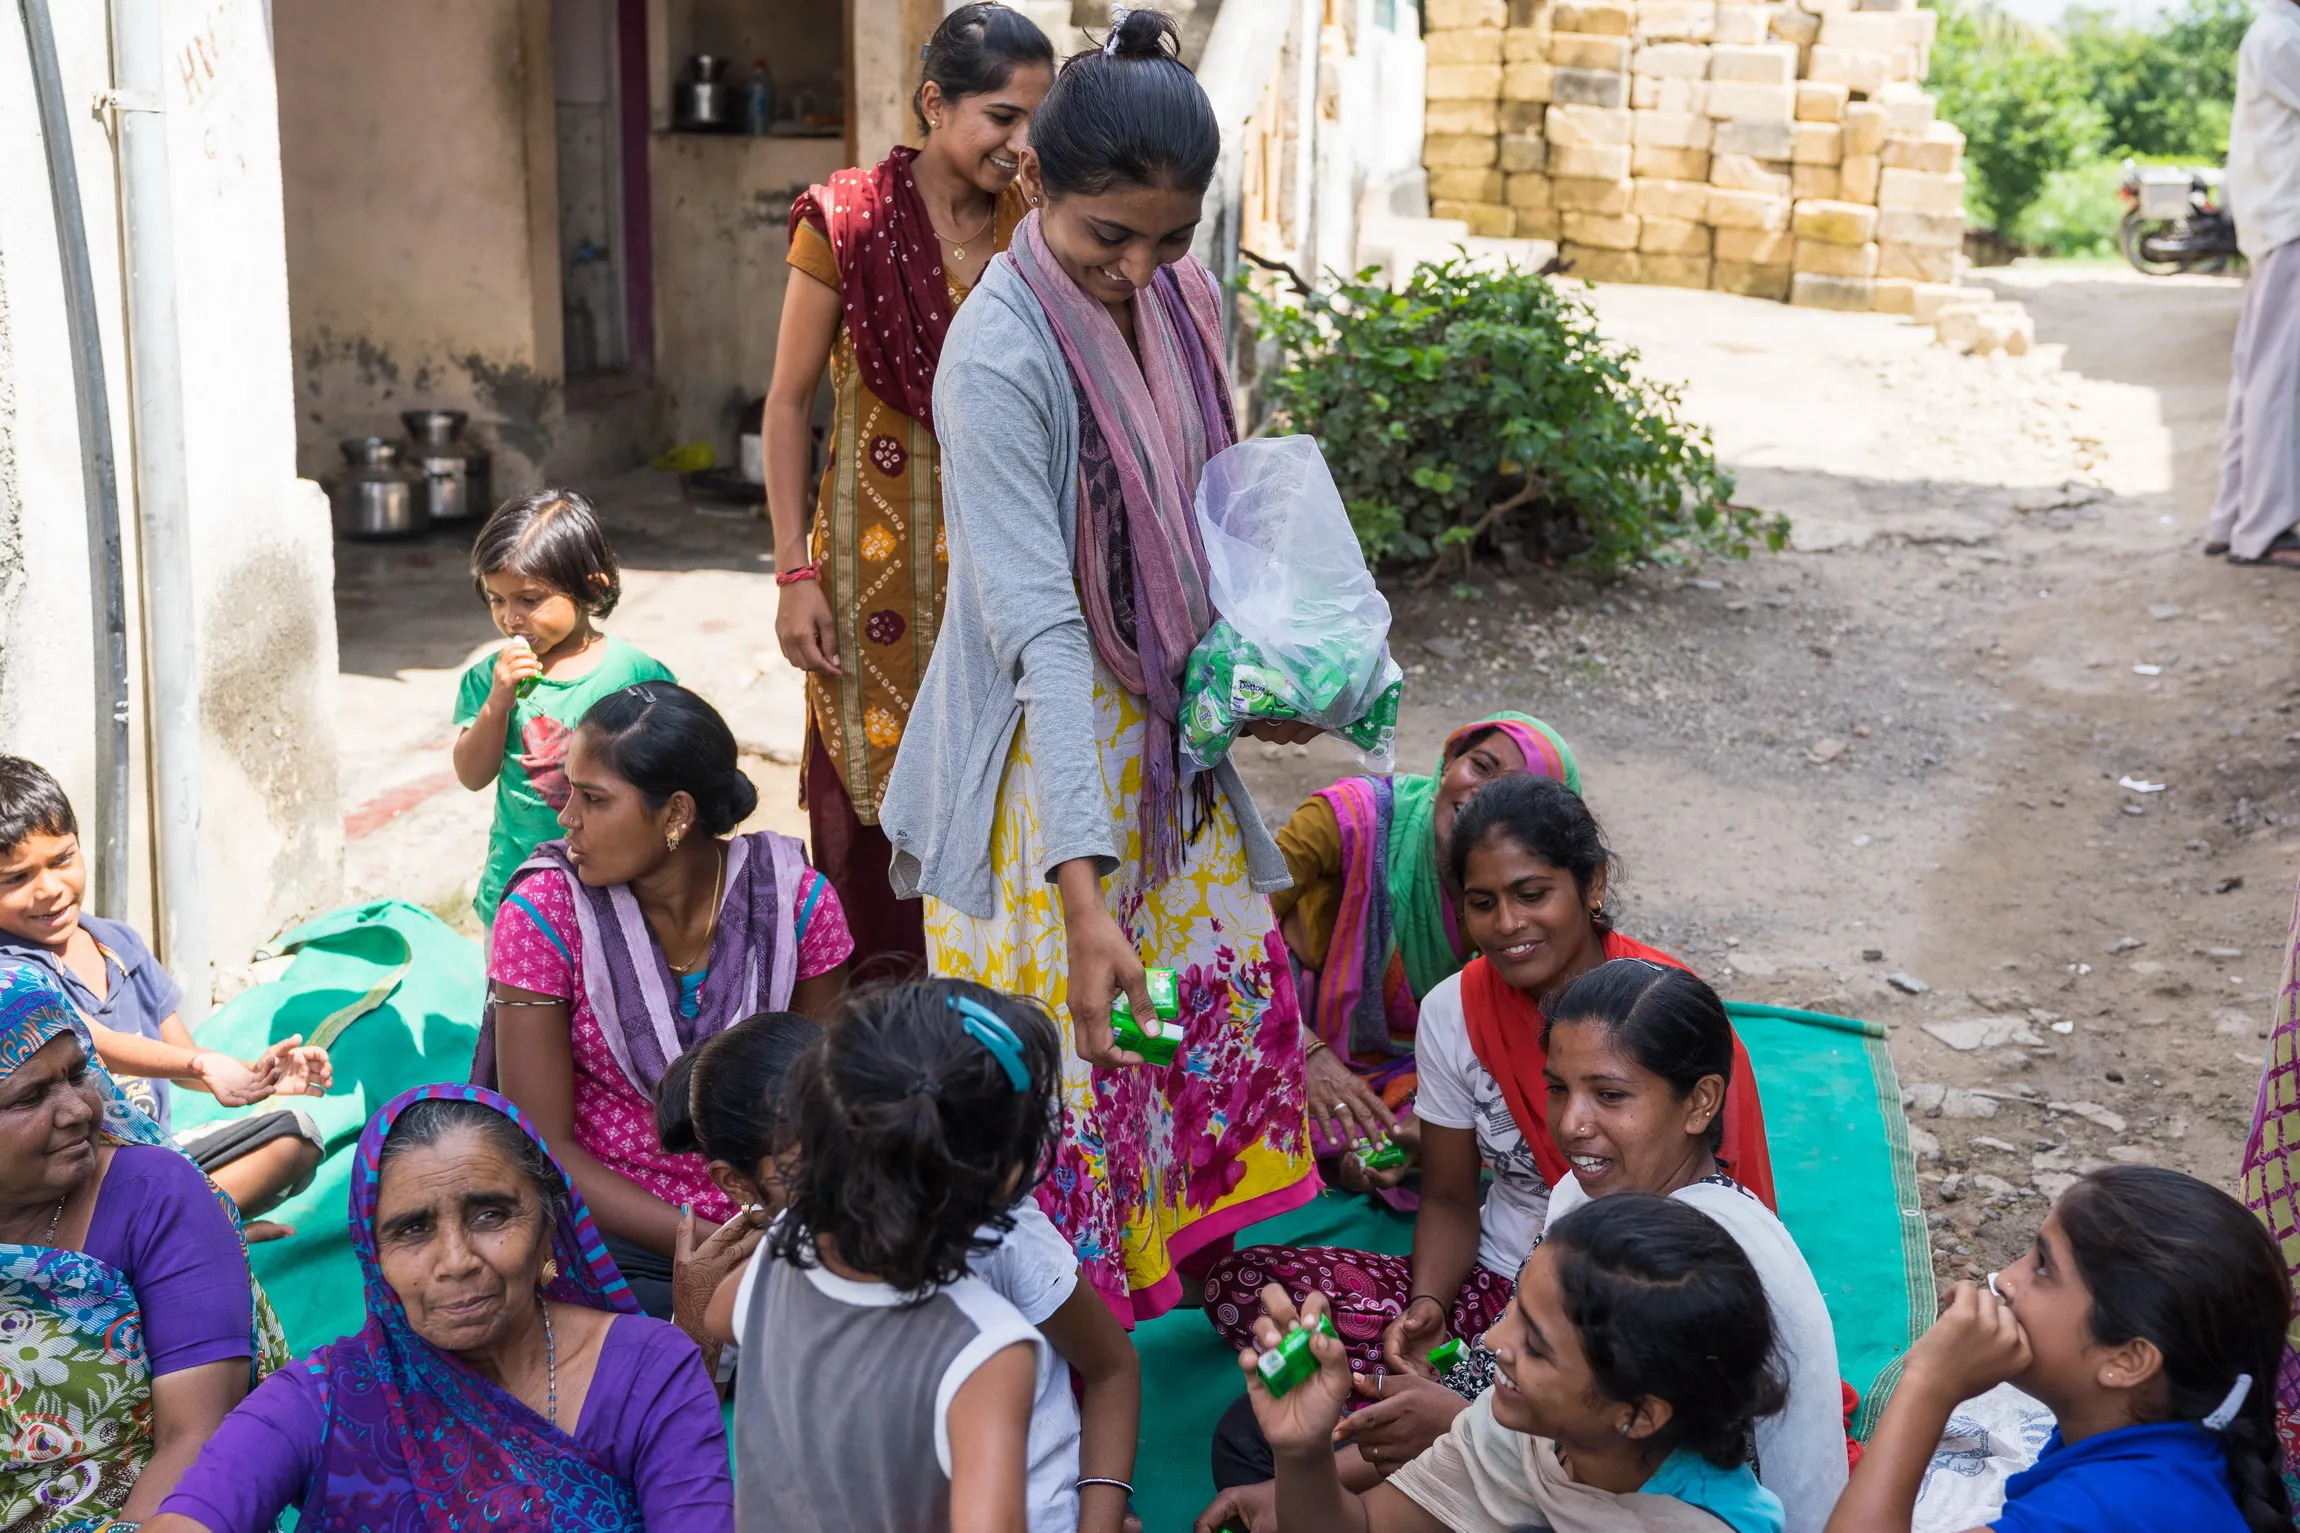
{"x": 551, "y": 1269}
{"x": 672, "y": 837}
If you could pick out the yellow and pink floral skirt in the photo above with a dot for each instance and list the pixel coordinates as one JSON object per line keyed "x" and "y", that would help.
{"x": 1155, "y": 1163}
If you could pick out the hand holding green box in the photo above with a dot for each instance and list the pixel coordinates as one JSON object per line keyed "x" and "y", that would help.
{"x": 1159, "y": 1047}
{"x": 1290, "y": 1361}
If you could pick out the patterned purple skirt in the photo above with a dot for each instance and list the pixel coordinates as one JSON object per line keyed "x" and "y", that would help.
{"x": 1367, "y": 1292}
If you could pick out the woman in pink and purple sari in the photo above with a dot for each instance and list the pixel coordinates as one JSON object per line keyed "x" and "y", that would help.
{"x": 1372, "y": 924}
{"x": 505, "y": 1381}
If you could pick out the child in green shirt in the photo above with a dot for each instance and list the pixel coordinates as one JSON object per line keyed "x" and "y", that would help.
{"x": 547, "y": 573}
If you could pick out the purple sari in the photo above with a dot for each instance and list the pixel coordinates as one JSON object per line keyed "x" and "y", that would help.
{"x": 418, "y": 1442}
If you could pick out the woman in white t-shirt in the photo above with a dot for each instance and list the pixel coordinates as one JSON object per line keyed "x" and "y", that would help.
{"x": 718, "y": 1100}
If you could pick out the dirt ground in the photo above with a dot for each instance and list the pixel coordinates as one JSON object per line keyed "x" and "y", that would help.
{"x": 1894, "y": 750}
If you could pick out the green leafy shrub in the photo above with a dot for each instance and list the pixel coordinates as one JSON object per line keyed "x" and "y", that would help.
{"x": 1474, "y": 403}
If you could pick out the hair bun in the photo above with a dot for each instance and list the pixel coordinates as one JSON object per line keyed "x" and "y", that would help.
{"x": 1142, "y": 34}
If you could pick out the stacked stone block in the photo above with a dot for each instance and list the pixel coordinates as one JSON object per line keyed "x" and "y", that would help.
{"x": 1785, "y": 150}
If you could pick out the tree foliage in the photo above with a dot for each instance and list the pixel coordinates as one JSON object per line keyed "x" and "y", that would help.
{"x": 1473, "y": 403}
{"x": 2041, "y": 106}
{"x": 2016, "y": 92}
{"x": 2164, "y": 90}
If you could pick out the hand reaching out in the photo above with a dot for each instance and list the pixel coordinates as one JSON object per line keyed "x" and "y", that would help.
{"x": 235, "y": 1083}
{"x": 1408, "y": 1413}
{"x": 301, "y": 1069}
{"x": 1406, "y": 1341}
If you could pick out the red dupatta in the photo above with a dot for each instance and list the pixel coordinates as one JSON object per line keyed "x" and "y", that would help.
{"x": 893, "y": 292}
{"x": 1505, "y": 1028}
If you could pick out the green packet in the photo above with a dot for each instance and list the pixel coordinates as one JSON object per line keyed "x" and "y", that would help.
{"x": 1230, "y": 684}
{"x": 1290, "y": 1361}
{"x": 1160, "y": 1047}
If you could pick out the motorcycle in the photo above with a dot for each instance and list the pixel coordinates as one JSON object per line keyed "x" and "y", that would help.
{"x": 2173, "y": 221}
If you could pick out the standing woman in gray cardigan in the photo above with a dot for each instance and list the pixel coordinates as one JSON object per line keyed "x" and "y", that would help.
{"x": 1037, "y": 801}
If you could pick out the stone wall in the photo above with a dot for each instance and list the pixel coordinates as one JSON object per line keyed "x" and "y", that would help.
{"x": 1785, "y": 151}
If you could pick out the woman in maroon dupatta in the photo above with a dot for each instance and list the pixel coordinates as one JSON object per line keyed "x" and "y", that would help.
{"x": 881, "y": 258}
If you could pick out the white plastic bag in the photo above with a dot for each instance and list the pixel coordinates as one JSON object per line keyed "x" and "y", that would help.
{"x": 1286, "y": 575}
{"x": 1988, "y": 1440}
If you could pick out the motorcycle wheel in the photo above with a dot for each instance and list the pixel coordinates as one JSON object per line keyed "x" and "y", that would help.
{"x": 2131, "y": 237}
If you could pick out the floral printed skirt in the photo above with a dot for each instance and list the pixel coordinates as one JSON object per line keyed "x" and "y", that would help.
{"x": 1154, "y": 1163}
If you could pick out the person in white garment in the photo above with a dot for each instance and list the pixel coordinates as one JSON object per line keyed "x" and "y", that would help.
{"x": 2253, "y": 521}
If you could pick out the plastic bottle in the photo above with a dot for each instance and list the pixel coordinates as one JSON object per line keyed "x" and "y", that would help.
{"x": 758, "y": 100}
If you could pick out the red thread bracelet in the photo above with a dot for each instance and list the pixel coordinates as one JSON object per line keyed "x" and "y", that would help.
{"x": 792, "y": 577}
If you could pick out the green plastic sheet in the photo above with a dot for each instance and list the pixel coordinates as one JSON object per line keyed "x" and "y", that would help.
{"x": 394, "y": 993}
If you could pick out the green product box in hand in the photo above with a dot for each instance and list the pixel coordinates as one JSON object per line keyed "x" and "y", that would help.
{"x": 1290, "y": 1361}
{"x": 1387, "y": 1156}
{"x": 1159, "y": 1047}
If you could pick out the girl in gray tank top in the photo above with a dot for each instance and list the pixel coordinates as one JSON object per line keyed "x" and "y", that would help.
{"x": 882, "y": 1387}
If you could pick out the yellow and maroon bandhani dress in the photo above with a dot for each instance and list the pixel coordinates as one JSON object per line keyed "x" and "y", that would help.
{"x": 877, "y": 533}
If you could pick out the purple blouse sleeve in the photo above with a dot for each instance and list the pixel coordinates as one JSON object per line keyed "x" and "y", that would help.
{"x": 160, "y": 1225}
{"x": 657, "y": 1424}
{"x": 259, "y": 1460}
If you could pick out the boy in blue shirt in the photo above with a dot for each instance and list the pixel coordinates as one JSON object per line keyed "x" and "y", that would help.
{"x": 128, "y": 1006}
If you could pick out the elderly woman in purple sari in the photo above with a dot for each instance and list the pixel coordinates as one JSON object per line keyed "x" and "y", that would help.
{"x": 505, "y": 1380}
{"x": 649, "y": 929}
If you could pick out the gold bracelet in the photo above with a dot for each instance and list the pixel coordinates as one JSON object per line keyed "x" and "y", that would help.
{"x": 1311, "y": 1051}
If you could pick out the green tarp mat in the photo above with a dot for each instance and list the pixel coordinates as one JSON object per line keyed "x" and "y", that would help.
{"x": 394, "y": 993}
{"x": 1847, "y": 1183}
{"x": 1841, "y": 1169}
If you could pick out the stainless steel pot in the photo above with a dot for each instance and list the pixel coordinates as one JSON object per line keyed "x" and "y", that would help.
{"x": 455, "y": 471}
{"x": 378, "y": 496}
{"x": 704, "y": 102}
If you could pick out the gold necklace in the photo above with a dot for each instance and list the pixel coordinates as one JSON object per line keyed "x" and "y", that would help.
{"x": 718, "y": 885}
{"x": 958, "y": 247}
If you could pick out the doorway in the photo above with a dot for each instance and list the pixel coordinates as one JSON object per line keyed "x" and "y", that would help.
{"x": 594, "y": 263}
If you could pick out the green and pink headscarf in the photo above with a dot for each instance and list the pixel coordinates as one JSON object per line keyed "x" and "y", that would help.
{"x": 1393, "y": 903}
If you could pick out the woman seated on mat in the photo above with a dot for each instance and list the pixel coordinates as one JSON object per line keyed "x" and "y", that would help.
{"x": 1533, "y": 866}
{"x": 1641, "y": 1057}
{"x": 646, "y": 931}
{"x": 1629, "y": 1367}
{"x": 504, "y": 1379}
{"x": 1373, "y": 925}
{"x": 129, "y": 1324}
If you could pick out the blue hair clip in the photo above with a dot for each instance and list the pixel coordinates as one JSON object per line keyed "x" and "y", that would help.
{"x": 989, "y": 1029}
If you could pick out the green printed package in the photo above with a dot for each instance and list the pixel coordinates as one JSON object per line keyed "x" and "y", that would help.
{"x": 1290, "y": 1361}
{"x": 1160, "y": 1047}
{"x": 1446, "y": 1353}
{"x": 1387, "y": 1157}
{"x": 1231, "y": 683}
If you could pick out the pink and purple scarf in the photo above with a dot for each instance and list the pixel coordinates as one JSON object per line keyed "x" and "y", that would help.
{"x": 753, "y": 966}
{"x": 1147, "y": 428}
